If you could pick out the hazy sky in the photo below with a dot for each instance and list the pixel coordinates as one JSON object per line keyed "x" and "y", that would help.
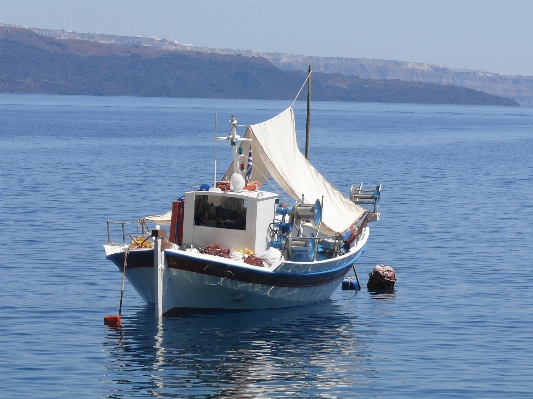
{"x": 495, "y": 36}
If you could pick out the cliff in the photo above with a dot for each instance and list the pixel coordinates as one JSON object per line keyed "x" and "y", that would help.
{"x": 32, "y": 63}
{"x": 517, "y": 88}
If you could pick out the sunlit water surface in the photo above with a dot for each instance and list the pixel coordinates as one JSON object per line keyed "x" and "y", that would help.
{"x": 457, "y": 212}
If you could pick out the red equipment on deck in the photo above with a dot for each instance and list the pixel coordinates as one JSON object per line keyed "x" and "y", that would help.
{"x": 176, "y": 221}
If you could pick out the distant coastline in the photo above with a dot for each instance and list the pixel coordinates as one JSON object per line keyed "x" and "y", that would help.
{"x": 37, "y": 63}
{"x": 517, "y": 88}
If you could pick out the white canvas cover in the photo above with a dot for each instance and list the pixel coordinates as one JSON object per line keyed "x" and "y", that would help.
{"x": 275, "y": 153}
{"x": 163, "y": 219}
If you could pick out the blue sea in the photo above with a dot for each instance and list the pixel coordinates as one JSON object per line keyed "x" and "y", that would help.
{"x": 456, "y": 225}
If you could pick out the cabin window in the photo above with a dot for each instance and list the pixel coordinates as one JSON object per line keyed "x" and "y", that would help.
{"x": 220, "y": 212}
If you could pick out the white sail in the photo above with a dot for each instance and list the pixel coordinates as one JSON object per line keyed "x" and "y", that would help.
{"x": 276, "y": 153}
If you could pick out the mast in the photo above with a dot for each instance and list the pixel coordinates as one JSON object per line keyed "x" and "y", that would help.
{"x": 308, "y": 121}
{"x": 238, "y": 167}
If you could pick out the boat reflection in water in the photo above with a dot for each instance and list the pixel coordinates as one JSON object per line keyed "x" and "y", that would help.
{"x": 305, "y": 352}
{"x": 382, "y": 294}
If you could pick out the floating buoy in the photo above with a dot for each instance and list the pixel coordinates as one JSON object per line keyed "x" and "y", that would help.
{"x": 382, "y": 277}
{"x": 112, "y": 321}
{"x": 350, "y": 283}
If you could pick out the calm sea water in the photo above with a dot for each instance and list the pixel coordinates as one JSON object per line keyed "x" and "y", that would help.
{"x": 457, "y": 212}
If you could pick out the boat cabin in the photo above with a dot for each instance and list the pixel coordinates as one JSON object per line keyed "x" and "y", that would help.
{"x": 227, "y": 218}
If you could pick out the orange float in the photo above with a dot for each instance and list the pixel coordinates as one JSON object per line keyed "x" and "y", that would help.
{"x": 252, "y": 185}
{"x": 112, "y": 321}
{"x": 223, "y": 185}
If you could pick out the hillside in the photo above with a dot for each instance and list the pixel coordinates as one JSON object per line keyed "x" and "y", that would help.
{"x": 32, "y": 63}
{"x": 517, "y": 88}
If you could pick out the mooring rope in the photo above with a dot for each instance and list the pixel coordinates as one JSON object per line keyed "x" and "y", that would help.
{"x": 126, "y": 253}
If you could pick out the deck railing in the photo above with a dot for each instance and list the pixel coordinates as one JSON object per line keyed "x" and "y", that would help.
{"x": 141, "y": 228}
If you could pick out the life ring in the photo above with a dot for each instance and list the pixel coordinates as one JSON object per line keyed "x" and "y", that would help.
{"x": 252, "y": 185}
{"x": 223, "y": 185}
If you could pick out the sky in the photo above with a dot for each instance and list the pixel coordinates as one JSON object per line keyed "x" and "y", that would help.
{"x": 495, "y": 36}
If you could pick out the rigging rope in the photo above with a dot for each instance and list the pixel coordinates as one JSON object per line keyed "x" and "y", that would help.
{"x": 301, "y": 88}
{"x": 267, "y": 180}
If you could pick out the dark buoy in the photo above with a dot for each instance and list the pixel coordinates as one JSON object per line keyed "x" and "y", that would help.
{"x": 350, "y": 283}
{"x": 382, "y": 277}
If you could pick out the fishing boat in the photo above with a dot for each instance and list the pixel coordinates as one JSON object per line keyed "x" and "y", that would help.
{"x": 235, "y": 245}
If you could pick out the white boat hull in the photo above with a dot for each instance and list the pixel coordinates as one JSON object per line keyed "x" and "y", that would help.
{"x": 195, "y": 282}
{"x": 189, "y": 291}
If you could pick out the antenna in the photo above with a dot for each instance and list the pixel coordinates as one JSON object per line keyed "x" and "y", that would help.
{"x": 216, "y": 132}
{"x": 308, "y": 122}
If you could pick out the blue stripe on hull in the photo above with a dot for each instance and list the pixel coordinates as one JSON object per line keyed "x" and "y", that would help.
{"x": 255, "y": 276}
{"x": 141, "y": 258}
{"x": 211, "y": 267}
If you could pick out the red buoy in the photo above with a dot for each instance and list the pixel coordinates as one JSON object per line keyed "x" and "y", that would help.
{"x": 112, "y": 321}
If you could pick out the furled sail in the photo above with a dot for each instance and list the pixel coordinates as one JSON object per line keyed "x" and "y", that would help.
{"x": 276, "y": 153}
{"x": 163, "y": 219}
